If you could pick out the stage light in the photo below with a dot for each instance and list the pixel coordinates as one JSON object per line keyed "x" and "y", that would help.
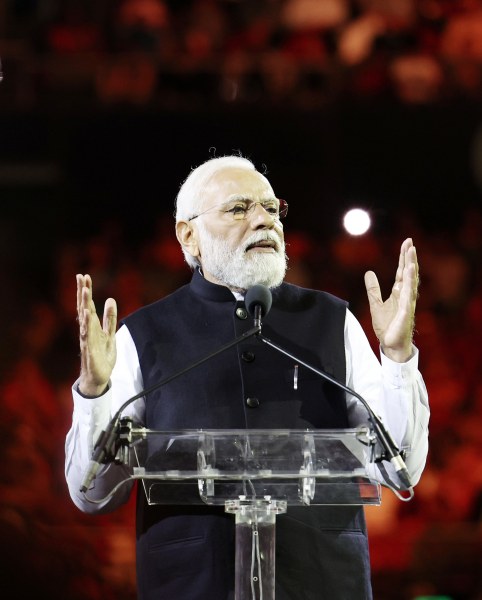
{"x": 356, "y": 221}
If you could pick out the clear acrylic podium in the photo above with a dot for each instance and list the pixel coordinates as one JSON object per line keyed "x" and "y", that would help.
{"x": 255, "y": 475}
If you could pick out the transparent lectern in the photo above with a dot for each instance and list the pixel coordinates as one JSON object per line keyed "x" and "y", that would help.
{"x": 256, "y": 475}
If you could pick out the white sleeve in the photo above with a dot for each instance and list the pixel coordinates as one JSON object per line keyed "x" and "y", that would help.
{"x": 90, "y": 417}
{"x": 395, "y": 391}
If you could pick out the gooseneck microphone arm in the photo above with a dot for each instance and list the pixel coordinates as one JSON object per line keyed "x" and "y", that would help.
{"x": 392, "y": 453}
{"x": 258, "y": 299}
{"x": 105, "y": 446}
{"x": 258, "y": 302}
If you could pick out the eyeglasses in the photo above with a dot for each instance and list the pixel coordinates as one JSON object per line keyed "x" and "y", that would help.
{"x": 240, "y": 209}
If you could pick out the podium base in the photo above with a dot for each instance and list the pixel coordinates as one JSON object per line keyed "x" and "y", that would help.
{"x": 255, "y": 521}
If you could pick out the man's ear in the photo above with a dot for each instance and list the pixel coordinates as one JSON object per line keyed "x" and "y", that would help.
{"x": 187, "y": 237}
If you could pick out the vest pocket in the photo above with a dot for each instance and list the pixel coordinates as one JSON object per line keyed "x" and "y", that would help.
{"x": 170, "y": 545}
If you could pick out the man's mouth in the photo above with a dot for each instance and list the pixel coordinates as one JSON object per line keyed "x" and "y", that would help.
{"x": 263, "y": 246}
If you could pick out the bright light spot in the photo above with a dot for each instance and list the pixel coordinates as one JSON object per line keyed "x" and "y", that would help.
{"x": 356, "y": 221}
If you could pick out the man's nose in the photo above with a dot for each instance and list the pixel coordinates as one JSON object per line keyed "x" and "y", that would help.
{"x": 260, "y": 218}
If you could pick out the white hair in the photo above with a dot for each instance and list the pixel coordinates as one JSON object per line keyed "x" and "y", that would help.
{"x": 191, "y": 193}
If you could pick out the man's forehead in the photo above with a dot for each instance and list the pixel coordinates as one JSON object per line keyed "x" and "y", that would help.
{"x": 242, "y": 183}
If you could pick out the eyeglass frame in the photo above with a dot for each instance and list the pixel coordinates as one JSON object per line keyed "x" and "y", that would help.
{"x": 282, "y": 208}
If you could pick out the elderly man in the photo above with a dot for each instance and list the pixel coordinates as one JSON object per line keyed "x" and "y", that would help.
{"x": 228, "y": 222}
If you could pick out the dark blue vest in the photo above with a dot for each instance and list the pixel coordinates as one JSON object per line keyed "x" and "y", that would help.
{"x": 187, "y": 553}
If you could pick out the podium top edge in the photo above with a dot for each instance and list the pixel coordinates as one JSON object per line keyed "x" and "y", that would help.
{"x": 243, "y": 432}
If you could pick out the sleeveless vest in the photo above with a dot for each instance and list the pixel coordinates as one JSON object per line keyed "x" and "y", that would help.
{"x": 187, "y": 552}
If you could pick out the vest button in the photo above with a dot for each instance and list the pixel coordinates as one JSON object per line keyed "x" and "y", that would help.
{"x": 252, "y": 402}
{"x": 247, "y": 356}
{"x": 241, "y": 313}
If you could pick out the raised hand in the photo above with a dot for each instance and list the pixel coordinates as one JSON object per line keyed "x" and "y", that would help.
{"x": 97, "y": 341}
{"x": 393, "y": 319}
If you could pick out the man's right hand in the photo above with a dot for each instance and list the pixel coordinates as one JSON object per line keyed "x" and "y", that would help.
{"x": 97, "y": 342}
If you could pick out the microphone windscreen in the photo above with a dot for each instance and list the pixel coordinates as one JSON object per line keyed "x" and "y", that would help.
{"x": 258, "y": 295}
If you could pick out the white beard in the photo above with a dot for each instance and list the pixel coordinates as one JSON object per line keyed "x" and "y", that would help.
{"x": 238, "y": 269}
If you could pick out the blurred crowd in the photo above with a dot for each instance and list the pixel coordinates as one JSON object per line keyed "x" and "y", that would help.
{"x": 431, "y": 545}
{"x": 176, "y": 52}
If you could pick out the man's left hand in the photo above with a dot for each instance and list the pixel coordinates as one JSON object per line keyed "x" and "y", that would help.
{"x": 393, "y": 320}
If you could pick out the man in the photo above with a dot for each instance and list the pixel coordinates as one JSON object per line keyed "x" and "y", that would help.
{"x": 228, "y": 222}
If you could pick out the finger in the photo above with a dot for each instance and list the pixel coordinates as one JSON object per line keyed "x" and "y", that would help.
{"x": 415, "y": 261}
{"x": 406, "y": 245}
{"x": 411, "y": 259}
{"x": 110, "y": 317}
{"x": 373, "y": 288}
{"x": 84, "y": 324}
{"x": 409, "y": 290}
{"x": 402, "y": 262}
{"x": 87, "y": 300}
{"x": 80, "y": 284}
{"x": 411, "y": 270}
{"x": 89, "y": 286}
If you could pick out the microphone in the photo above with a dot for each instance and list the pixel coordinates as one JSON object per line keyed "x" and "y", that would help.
{"x": 102, "y": 451}
{"x": 258, "y": 295}
{"x": 393, "y": 454}
{"x": 258, "y": 301}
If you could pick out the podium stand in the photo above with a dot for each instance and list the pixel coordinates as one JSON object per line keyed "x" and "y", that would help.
{"x": 256, "y": 475}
